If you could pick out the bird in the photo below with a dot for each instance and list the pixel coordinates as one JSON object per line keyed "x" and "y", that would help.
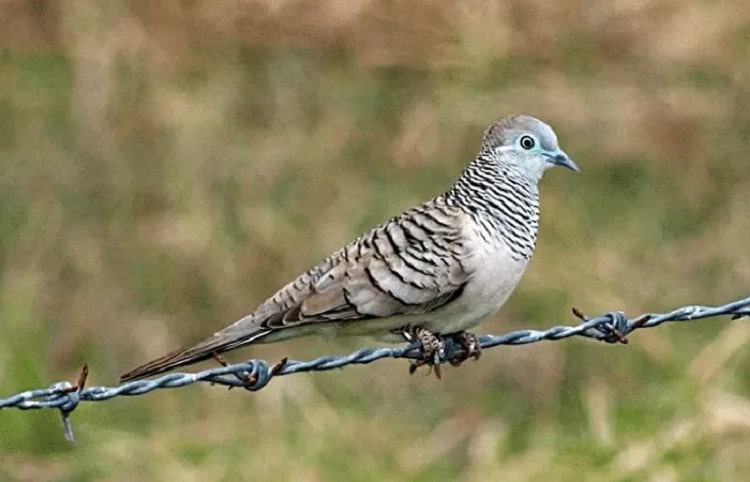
{"x": 433, "y": 271}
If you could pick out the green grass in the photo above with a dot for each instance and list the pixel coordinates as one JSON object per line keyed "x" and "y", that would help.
{"x": 163, "y": 171}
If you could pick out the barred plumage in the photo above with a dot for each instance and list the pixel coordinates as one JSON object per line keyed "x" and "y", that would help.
{"x": 442, "y": 266}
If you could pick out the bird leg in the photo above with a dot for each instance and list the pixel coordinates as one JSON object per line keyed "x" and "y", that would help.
{"x": 431, "y": 346}
{"x": 470, "y": 343}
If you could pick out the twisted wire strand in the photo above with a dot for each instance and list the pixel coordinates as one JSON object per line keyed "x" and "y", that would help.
{"x": 253, "y": 375}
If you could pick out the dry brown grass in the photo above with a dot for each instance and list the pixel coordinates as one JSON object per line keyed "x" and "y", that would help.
{"x": 165, "y": 166}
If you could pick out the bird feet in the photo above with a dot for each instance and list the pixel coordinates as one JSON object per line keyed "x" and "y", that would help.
{"x": 433, "y": 348}
{"x": 470, "y": 344}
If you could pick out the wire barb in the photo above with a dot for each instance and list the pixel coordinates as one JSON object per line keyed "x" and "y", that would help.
{"x": 253, "y": 375}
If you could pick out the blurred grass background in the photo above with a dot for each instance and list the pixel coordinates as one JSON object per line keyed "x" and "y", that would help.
{"x": 165, "y": 166}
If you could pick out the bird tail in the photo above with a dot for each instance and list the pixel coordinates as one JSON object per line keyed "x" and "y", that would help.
{"x": 221, "y": 341}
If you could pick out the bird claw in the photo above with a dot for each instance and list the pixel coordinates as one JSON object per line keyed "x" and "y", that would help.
{"x": 471, "y": 347}
{"x": 431, "y": 346}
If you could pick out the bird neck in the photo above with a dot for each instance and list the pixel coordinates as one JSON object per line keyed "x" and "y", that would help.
{"x": 503, "y": 201}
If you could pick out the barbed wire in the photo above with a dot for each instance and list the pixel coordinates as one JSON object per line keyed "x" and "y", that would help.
{"x": 252, "y": 375}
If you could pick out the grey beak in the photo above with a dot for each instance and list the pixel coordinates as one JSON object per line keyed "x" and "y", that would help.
{"x": 562, "y": 159}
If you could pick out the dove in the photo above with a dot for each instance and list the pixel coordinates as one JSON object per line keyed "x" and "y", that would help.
{"x": 435, "y": 270}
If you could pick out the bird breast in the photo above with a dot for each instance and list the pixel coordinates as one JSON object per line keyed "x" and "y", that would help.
{"x": 495, "y": 274}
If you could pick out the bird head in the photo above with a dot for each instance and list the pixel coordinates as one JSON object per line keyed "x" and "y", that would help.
{"x": 526, "y": 144}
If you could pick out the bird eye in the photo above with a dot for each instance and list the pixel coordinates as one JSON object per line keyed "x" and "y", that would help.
{"x": 527, "y": 142}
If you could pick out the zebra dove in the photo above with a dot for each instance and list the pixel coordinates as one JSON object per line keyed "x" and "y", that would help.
{"x": 434, "y": 270}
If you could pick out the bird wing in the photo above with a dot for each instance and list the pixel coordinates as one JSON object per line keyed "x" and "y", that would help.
{"x": 412, "y": 264}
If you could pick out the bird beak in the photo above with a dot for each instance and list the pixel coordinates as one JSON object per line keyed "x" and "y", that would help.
{"x": 559, "y": 158}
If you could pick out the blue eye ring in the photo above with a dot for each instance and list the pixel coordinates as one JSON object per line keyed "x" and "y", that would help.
{"x": 527, "y": 142}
